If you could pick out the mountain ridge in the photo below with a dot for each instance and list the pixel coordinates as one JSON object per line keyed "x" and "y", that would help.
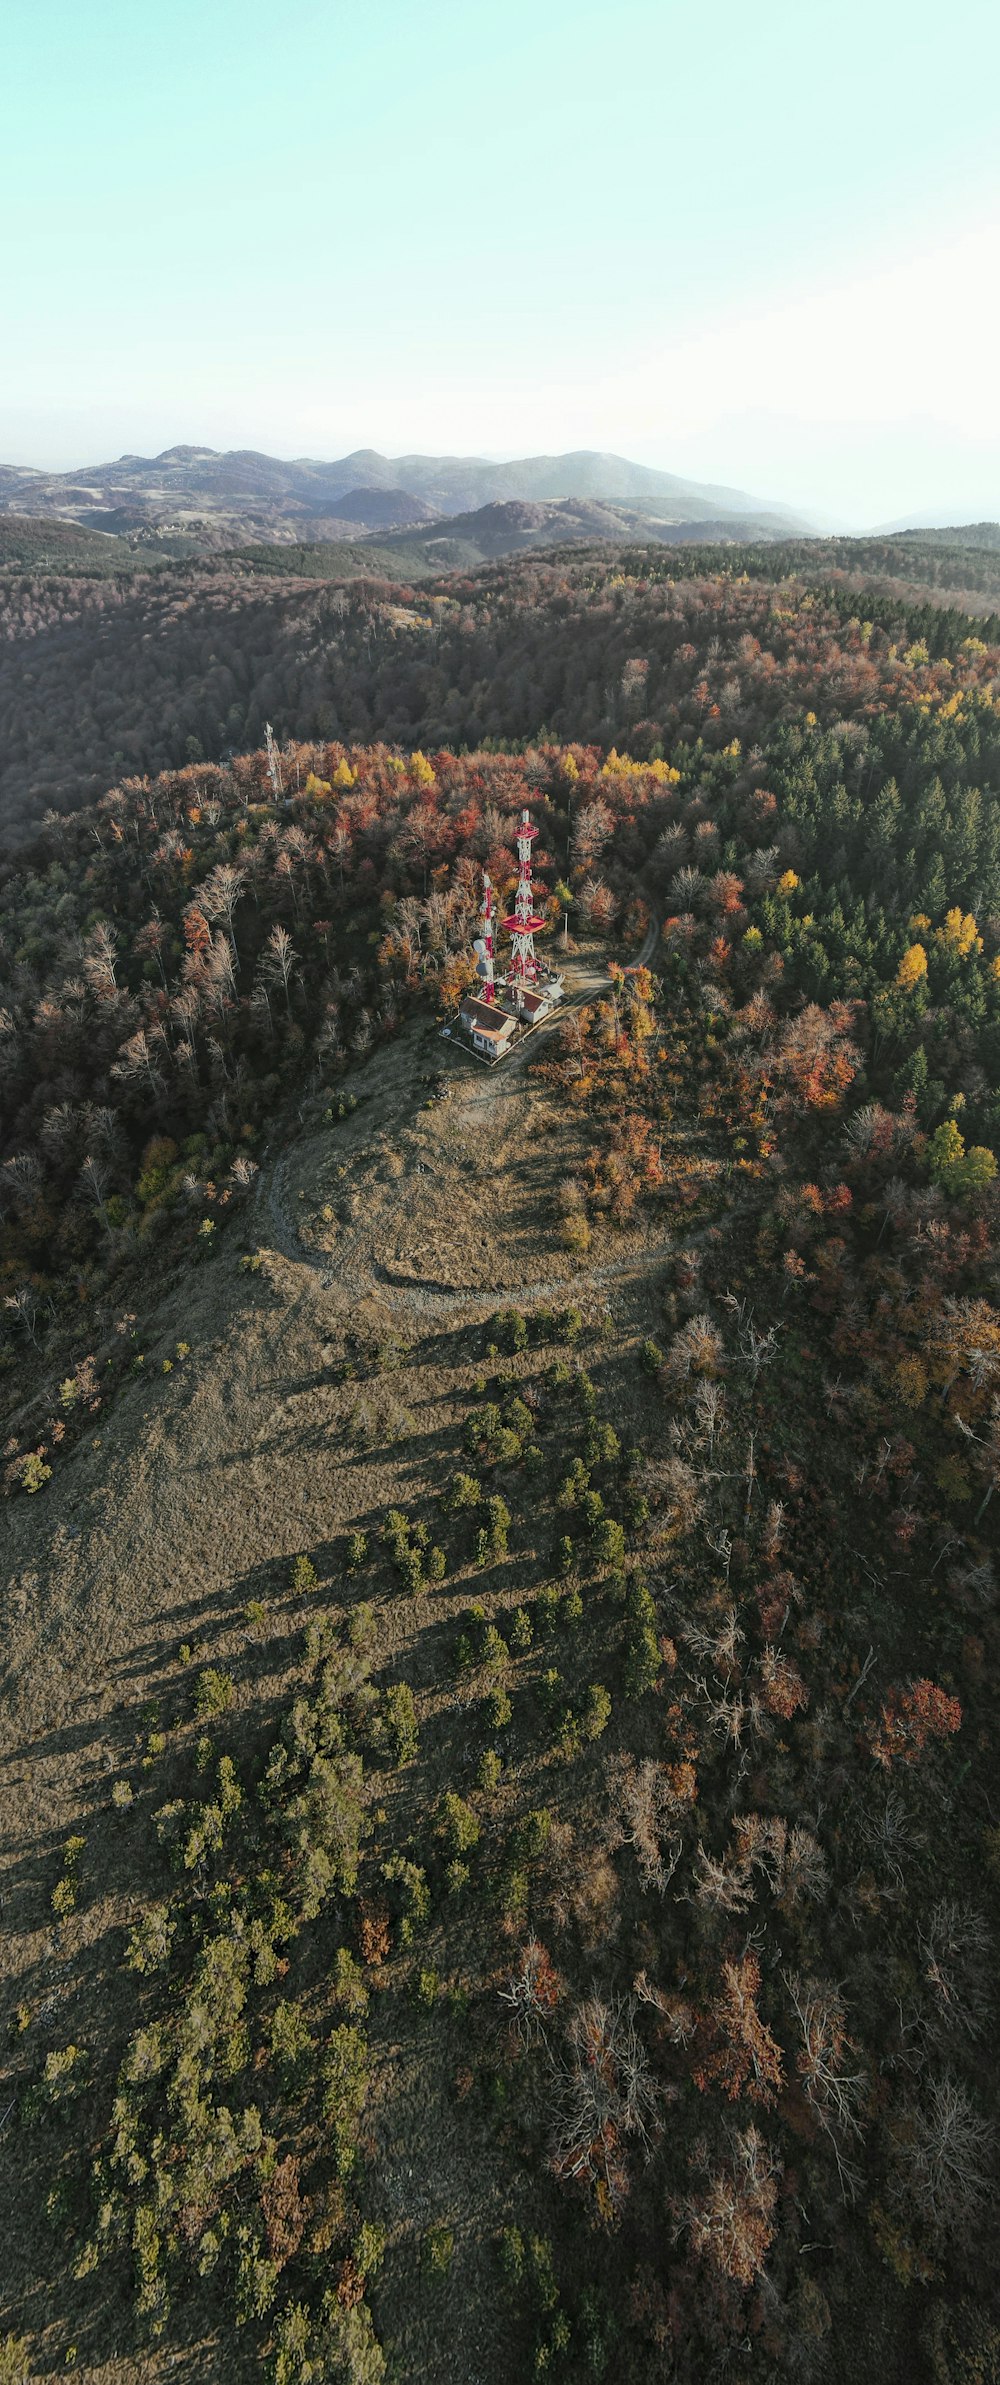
{"x": 187, "y": 485}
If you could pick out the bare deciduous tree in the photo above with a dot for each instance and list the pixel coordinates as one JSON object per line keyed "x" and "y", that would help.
{"x": 731, "y": 2221}
{"x": 279, "y": 962}
{"x": 531, "y": 1994}
{"x": 944, "y": 2147}
{"x": 645, "y": 1814}
{"x": 954, "y": 1948}
{"x": 604, "y": 2097}
{"x": 825, "y": 2060}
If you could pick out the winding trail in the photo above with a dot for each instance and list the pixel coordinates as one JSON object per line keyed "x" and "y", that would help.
{"x": 431, "y": 1299}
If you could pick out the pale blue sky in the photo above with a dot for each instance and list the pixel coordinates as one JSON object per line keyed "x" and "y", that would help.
{"x": 754, "y": 243}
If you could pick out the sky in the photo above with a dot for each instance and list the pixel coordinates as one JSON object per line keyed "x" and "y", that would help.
{"x": 749, "y": 244}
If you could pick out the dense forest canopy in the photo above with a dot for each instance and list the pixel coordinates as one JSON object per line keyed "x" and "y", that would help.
{"x": 104, "y": 678}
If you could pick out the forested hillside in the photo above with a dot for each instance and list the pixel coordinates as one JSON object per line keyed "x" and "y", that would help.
{"x": 106, "y": 679}
{"x": 500, "y": 1576}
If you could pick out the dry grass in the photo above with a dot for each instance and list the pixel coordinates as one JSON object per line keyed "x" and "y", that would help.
{"x": 195, "y": 1497}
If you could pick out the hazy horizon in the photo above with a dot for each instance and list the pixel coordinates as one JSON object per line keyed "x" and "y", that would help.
{"x": 750, "y": 254}
{"x": 819, "y": 521}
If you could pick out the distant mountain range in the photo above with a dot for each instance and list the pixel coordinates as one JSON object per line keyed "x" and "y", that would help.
{"x": 209, "y": 500}
{"x": 509, "y": 526}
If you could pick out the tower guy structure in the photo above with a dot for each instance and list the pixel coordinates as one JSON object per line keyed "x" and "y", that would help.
{"x": 524, "y": 922}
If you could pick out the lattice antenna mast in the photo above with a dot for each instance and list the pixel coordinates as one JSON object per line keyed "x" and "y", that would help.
{"x": 273, "y": 764}
{"x": 489, "y": 914}
{"x": 524, "y": 923}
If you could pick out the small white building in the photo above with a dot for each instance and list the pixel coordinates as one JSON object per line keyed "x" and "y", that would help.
{"x": 535, "y": 1002}
{"x": 490, "y": 1030}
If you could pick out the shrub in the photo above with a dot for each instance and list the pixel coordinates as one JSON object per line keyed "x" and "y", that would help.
{"x": 361, "y": 1628}
{"x": 481, "y": 1429}
{"x": 440, "y": 2244}
{"x": 149, "y": 1942}
{"x": 490, "y": 1770}
{"x": 574, "y": 1486}
{"x": 65, "y": 2074}
{"x": 345, "y": 2080}
{"x": 357, "y": 1551}
{"x": 64, "y": 1892}
{"x": 401, "y": 1723}
{"x": 642, "y": 1658}
{"x": 498, "y": 1710}
{"x": 410, "y": 1566}
{"x": 499, "y": 1526}
{"x": 34, "y": 1472}
{"x": 214, "y": 1693}
{"x": 369, "y": 2247}
{"x": 603, "y": 1445}
{"x": 547, "y": 1604}
{"x": 550, "y": 1690}
{"x": 414, "y": 1893}
{"x": 596, "y": 1711}
{"x": 521, "y": 1634}
{"x": 534, "y": 1832}
{"x": 515, "y": 1891}
{"x": 291, "y": 2047}
{"x": 455, "y": 1824}
{"x": 463, "y": 1491}
{"x": 636, "y": 1507}
{"x": 512, "y": 2254}
{"x": 13, "y": 2360}
{"x": 609, "y": 1544}
{"x": 509, "y": 1328}
{"x": 493, "y": 1650}
{"x": 463, "y": 1653}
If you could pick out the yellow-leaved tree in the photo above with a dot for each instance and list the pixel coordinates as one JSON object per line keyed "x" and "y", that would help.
{"x": 912, "y": 968}
{"x": 959, "y": 934}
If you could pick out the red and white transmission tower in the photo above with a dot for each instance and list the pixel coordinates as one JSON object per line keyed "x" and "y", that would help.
{"x": 524, "y": 923}
{"x": 488, "y": 993}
